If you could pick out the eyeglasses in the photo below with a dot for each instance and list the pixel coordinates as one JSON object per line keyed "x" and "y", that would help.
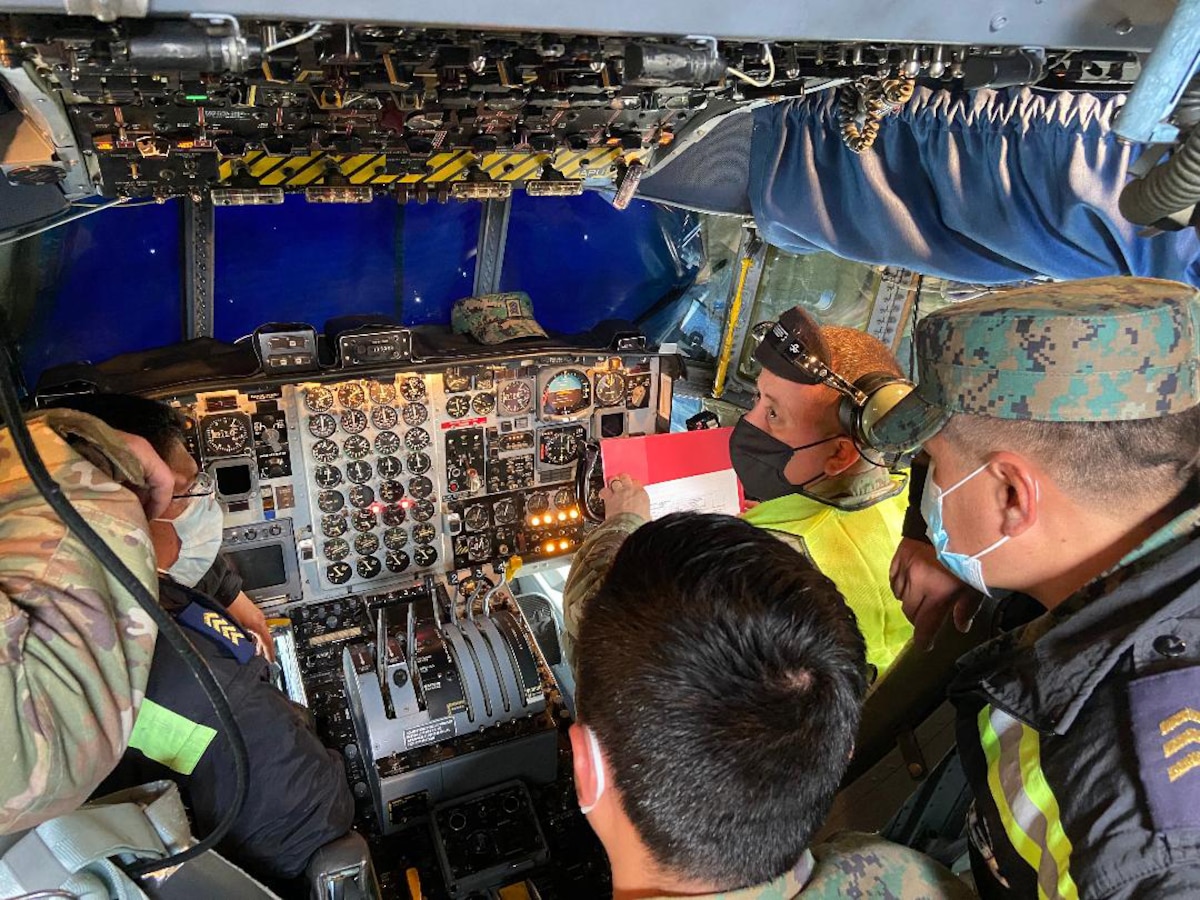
{"x": 201, "y": 486}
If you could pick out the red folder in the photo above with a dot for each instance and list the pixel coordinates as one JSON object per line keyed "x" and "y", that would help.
{"x": 666, "y": 457}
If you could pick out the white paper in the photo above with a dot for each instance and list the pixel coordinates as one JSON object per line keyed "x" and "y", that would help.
{"x": 713, "y": 492}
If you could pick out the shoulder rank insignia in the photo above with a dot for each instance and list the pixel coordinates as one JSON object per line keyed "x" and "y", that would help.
{"x": 1166, "y": 721}
{"x": 219, "y": 630}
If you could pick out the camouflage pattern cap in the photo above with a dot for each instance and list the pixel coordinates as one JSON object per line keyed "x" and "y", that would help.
{"x": 1099, "y": 350}
{"x": 496, "y": 318}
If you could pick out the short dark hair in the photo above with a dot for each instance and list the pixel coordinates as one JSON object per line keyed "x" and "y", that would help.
{"x": 157, "y": 422}
{"x": 723, "y": 676}
{"x": 1160, "y": 456}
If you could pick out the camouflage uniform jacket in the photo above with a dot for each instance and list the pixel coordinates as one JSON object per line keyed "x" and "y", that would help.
{"x": 852, "y": 866}
{"x": 76, "y": 647}
{"x": 1080, "y": 736}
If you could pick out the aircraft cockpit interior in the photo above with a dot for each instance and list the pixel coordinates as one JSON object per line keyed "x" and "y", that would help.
{"x": 262, "y": 216}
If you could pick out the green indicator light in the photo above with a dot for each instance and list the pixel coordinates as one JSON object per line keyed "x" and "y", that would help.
{"x": 196, "y": 97}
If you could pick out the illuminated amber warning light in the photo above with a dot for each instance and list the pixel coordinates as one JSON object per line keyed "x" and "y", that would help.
{"x": 574, "y": 514}
{"x": 535, "y": 521}
{"x": 548, "y": 546}
{"x": 563, "y": 545}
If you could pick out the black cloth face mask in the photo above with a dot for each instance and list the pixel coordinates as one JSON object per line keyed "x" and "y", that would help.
{"x": 759, "y": 460}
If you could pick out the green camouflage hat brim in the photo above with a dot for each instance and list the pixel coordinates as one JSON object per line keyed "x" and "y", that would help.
{"x": 496, "y": 318}
{"x": 1099, "y": 350}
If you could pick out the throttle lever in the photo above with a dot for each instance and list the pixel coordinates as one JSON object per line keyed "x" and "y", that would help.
{"x": 587, "y": 470}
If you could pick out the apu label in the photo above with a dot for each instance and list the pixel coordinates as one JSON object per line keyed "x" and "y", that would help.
{"x": 431, "y": 733}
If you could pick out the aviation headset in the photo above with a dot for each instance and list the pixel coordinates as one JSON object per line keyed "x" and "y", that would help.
{"x": 864, "y": 402}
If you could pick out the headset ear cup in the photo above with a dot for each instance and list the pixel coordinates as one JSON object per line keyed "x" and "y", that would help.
{"x": 857, "y": 420}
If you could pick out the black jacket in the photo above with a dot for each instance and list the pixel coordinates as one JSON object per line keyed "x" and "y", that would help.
{"x": 1080, "y": 735}
{"x": 298, "y": 796}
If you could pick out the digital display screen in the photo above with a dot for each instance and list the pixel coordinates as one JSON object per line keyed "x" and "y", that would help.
{"x": 233, "y": 481}
{"x": 261, "y": 567}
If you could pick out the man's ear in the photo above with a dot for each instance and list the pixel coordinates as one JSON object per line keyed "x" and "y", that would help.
{"x": 844, "y": 455}
{"x": 1019, "y": 492}
{"x": 587, "y": 779}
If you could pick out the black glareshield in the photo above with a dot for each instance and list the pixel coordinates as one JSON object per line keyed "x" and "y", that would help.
{"x": 864, "y": 403}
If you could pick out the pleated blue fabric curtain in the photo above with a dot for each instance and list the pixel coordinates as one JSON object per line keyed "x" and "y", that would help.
{"x": 987, "y": 187}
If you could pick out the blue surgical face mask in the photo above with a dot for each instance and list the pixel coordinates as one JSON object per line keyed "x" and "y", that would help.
{"x": 965, "y": 568}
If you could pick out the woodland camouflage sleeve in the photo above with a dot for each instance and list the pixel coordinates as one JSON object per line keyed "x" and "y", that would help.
{"x": 588, "y": 571}
{"x": 75, "y": 648}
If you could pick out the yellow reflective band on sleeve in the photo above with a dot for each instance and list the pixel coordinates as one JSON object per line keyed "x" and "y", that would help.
{"x": 1027, "y": 807}
{"x": 169, "y": 738}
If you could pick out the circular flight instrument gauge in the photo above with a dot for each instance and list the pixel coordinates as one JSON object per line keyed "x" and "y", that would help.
{"x": 423, "y": 510}
{"x": 336, "y": 549}
{"x": 414, "y": 414}
{"x": 416, "y": 439}
{"x": 420, "y": 487}
{"x": 325, "y": 451}
{"x": 568, "y": 392}
{"x": 366, "y": 544}
{"x": 454, "y": 380}
{"x": 424, "y": 534}
{"x": 537, "y": 503}
{"x": 352, "y": 394}
{"x": 333, "y": 525}
{"x": 388, "y": 466}
{"x": 359, "y": 471}
{"x": 318, "y": 399}
{"x": 327, "y": 476}
{"x": 384, "y": 417}
{"x": 564, "y": 498}
{"x": 387, "y": 443}
{"x": 483, "y": 403}
{"x": 418, "y": 463}
{"x": 476, "y": 517}
{"x": 364, "y": 520}
{"x": 397, "y": 560}
{"x": 338, "y": 573}
{"x": 381, "y": 391}
{"x": 516, "y": 397}
{"x": 391, "y": 491}
{"x": 610, "y": 389}
{"x": 226, "y": 434}
{"x": 559, "y": 446}
{"x": 361, "y": 496}
{"x": 356, "y": 447}
{"x": 395, "y": 538}
{"x": 424, "y": 556}
{"x": 330, "y": 501}
{"x": 458, "y": 407}
{"x": 505, "y": 511}
{"x": 353, "y": 421}
{"x": 394, "y": 515}
{"x": 322, "y": 426}
{"x": 368, "y": 566}
{"x": 412, "y": 388}
{"x": 479, "y": 547}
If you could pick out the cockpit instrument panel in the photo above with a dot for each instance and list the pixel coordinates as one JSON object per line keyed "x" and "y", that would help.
{"x": 386, "y": 477}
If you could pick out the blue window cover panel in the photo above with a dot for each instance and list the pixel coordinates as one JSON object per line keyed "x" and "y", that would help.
{"x": 107, "y": 284}
{"x": 582, "y": 262}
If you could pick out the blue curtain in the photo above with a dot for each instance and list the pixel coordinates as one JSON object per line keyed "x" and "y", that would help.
{"x": 988, "y": 187}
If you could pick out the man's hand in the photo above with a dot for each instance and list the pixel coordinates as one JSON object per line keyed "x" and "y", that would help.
{"x": 929, "y": 592}
{"x": 625, "y": 494}
{"x": 251, "y": 618}
{"x": 160, "y": 480}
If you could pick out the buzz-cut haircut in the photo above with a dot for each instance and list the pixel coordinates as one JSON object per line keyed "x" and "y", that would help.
{"x": 723, "y": 677}
{"x": 1155, "y": 459}
{"x": 855, "y": 353}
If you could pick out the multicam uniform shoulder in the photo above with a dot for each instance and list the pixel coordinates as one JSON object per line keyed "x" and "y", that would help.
{"x": 1103, "y": 349}
{"x": 75, "y": 648}
{"x": 852, "y": 865}
{"x": 588, "y": 571}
